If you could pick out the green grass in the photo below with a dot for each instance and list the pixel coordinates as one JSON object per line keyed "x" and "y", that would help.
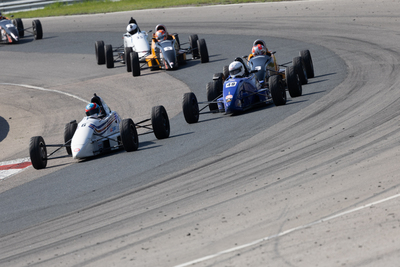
{"x": 106, "y": 6}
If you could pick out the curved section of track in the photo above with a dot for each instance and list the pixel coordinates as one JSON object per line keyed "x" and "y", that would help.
{"x": 226, "y": 181}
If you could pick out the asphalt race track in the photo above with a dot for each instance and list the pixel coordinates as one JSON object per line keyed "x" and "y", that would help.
{"x": 311, "y": 183}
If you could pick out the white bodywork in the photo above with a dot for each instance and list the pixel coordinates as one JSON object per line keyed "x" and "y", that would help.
{"x": 94, "y": 135}
{"x": 139, "y": 43}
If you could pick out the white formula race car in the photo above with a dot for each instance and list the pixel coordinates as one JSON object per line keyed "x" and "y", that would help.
{"x": 135, "y": 40}
{"x": 100, "y": 131}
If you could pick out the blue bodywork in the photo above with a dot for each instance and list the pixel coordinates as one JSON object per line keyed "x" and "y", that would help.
{"x": 240, "y": 94}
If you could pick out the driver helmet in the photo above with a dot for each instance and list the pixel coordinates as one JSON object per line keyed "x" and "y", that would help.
{"x": 132, "y": 28}
{"x": 161, "y": 35}
{"x": 259, "y": 49}
{"x": 160, "y": 27}
{"x": 92, "y": 110}
{"x": 261, "y": 42}
{"x": 236, "y": 68}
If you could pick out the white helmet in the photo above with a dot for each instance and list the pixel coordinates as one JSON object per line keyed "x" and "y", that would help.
{"x": 236, "y": 68}
{"x": 132, "y": 28}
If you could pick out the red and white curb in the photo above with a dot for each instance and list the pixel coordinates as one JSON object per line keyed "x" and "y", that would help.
{"x": 8, "y": 168}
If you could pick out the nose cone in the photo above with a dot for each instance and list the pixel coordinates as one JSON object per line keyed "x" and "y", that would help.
{"x": 81, "y": 148}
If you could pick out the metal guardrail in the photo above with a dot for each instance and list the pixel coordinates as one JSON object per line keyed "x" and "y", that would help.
{"x": 8, "y": 6}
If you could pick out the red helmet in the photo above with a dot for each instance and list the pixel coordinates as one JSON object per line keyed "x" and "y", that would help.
{"x": 92, "y": 109}
{"x": 259, "y": 49}
{"x": 161, "y": 35}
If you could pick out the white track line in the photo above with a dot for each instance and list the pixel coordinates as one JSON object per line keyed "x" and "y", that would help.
{"x": 285, "y": 232}
{"x": 44, "y": 89}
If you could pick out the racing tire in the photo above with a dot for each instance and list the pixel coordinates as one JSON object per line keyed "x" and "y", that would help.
{"x": 190, "y": 108}
{"x": 129, "y": 136}
{"x": 225, "y": 72}
{"x": 202, "y": 47}
{"x": 38, "y": 152}
{"x": 37, "y": 29}
{"x": 135, "y": 64}
{"x": 308, "y": 63}
{"x": 193, "y": 45}
{"x": 100, "y": 52}
{"x": 277, "y": 89}
{"x": 301, "y": 70}
{"x": 69, "y": 132}
{"x": 109, "y": 57}
{"x": 127, "y": 55}
{"x": 20, "y": 27}
{"x": 160, "y": 122}
{"x": 212, "y": 94}
{"x": 292, "y": 79}
{"x": 177, "y": 39}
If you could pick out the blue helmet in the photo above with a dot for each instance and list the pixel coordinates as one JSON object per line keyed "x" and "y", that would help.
{"x": 92, "y": 109}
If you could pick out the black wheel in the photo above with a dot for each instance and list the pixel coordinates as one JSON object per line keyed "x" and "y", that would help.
{"x": 160, "y": 122}
{"x": 38, "y": 152}
{"x": 277, "y": 89}
{"x": 37, "y": 29}
{"x": 109, "y": 57}
{"x": 212, "y": 94}
{"x": 20, "y": 27}
{"x": 201, "y": 44}
{"x": 308, "y": 63}
{"x": 69, "y": 132}
{"x": 129, "y": 136}
{"x": 190, "y": 108}
{"x": 292, "y": 79}
{"x": 100, "y": 52}
{"x": 177, "y": 40}
{"x": 300, "y": 69}
{"x": 135, "y": 64}
{"x": 127, "y": 55}
{"x": 225, "y": 72}
{"x": 193, "y": 44}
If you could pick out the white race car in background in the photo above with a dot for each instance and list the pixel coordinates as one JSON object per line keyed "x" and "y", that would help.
{"x": 138, "y": 42}
{"x": 98, "y": 134}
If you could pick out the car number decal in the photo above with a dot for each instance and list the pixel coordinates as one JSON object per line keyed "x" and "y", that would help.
{"x": 9, "y": 25}
{"x": 258, "y": 68}
{"x": 168, "y": 48}
{"x": 231, "y": 84}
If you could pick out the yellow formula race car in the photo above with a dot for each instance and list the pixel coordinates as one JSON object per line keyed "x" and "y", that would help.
{"x": 167, "y": 53}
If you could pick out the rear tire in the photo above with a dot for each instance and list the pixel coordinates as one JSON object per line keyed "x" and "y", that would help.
{"x": 129, "y": 136}
{"x": 109, "y": 57}
{"x": 100, "y": 52}
{"x": 127, "y": 55}
{"x": 277, "y": 89}
{"x": 38, "y": 152}
{"x": 202, "y": 46}
{"x": 37, "y": 29}
{"x": 190, "y": 108}
{"x": 69, "y": 132}
{"x": 193, "y": 44}
{"x": 225, "y": 72}
{"x": 212, "y": 94}
{"x": 300, "y": 69}
{"x": 135, "y": 64}
{"x": 160, "y": 122}
{"x": 308, "y": 63}
{"x": 292, "y": 79}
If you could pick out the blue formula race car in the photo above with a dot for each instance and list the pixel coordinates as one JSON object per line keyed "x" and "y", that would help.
{"x": 239, "y": 89}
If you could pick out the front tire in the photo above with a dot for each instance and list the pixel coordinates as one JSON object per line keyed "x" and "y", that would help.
{"x": 292, "y": 79}
{"x": 160, "y": 122}
{"x": 135, "y": 64}
{"x": 202, "y": 47}
{"x": 127, "y": 55}
{"x": 69, "y": 132}
{"x": 100, "y": 52}
{"x": 129, "y": 136}
{"x": 20, "y": 27}
{"x": 277, "y": 89}
{"x": 38, "y": 152}
{"x": 193, "y": 44}
{"x": 37, "y": 29}
{"x": 300, "y": 69}
{"x": 308, "y": 63}
{"x": 190, "y": 108}
{"x": 109, "y": 57}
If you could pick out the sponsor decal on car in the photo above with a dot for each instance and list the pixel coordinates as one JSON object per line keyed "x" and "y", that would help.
{"x": 228, "y": 98}
{"x": 77, "y": 149}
